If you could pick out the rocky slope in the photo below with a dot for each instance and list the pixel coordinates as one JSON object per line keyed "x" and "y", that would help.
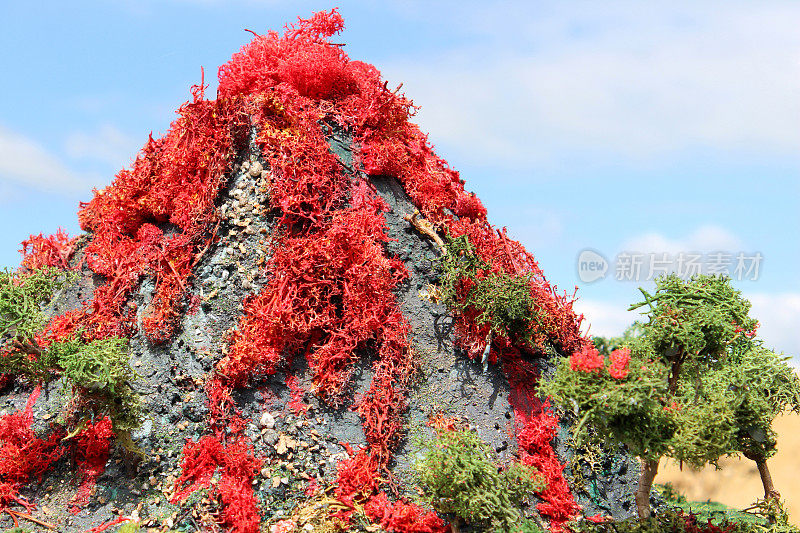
{"x": 286, "y": 341}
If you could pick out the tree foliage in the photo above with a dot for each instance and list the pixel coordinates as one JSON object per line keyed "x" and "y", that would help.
{"x": 699, "y": 384}
{"x": 97, "y": 370}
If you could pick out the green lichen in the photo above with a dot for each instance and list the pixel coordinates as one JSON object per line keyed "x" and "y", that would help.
{"x": 501, "y": 301}
{"x": 458, "y": 478}
{"x": 22, "y": 295}
{"x": 98, "y": 371}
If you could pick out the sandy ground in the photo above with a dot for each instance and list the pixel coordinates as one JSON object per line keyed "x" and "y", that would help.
{"x": 738, "y": 483}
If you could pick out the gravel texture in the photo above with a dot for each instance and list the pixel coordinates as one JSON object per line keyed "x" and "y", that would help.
{"x": 297, "y": 447}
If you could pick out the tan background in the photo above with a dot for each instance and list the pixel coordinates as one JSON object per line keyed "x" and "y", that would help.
{"x": 738, "y": 483}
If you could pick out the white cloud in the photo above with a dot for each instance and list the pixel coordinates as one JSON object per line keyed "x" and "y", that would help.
{"x": 779, "y": 316}
{"x": 107, "y": 144}
{"x": 23, "y": 161}
{"x": 707, "y": 238}
{"x": 534, "y": 226}
{"x": 605, "y": 319}
{"x": 630, "y": 79}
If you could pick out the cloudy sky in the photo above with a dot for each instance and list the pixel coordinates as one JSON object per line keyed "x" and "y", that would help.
{"x": 631, "y": 129}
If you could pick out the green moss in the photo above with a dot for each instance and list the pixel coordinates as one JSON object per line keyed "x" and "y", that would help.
{"x": 22, "y": 295}
{"x": 716, "y": 512}
{"x": 458, "y": 478}
{"x": 129, "y": 527}
{"x": 98, "y": 371}
{"x": 502, "y": 301}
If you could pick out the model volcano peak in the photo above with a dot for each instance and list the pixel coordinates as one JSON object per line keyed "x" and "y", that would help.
{"x": 271, "y": 254}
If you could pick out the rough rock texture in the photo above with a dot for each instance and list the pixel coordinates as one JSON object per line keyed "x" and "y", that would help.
{"x": 297, "y": 446}
{"x": 299, "y": 439}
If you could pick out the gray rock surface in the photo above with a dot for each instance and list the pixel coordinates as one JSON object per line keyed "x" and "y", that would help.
{"x": 297, "y": 447}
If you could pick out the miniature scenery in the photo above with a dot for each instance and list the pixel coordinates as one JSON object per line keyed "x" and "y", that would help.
{"x": 289, "y": 314}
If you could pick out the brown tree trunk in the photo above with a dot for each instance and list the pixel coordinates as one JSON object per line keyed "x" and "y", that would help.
{"x": 646, "y": 477}
{"x": 28, "y": 346}
{"x": 766, "y": 479}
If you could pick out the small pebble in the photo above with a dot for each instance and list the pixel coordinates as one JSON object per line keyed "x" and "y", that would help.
{"x": 255, "y": 169}
{"x": 267, "y": 421}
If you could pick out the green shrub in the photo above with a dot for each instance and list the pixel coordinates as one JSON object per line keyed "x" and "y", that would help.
{"x": 21, "y": 298}
{"x": 97, "y": 370}
{"x": 458, "y": 478}
{"x": 503, "y": 302}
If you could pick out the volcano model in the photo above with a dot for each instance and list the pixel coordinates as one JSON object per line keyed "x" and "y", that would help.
{"x": 277, "y": 317}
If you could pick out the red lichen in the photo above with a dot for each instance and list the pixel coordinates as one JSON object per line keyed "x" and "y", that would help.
{"x": 90, "y": 449}
{"x": 52, "y": 251}
{"x": 536, "y": 427}
{"x": 588, "y": 360}
{"x": 402, "y": 517}
{"x": 25, "y": 455}
{"x": 237, "y": 465}
{"x": 618, "y": 369}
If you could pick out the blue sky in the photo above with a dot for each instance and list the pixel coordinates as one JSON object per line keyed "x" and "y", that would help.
{"x": 660, "y": 127}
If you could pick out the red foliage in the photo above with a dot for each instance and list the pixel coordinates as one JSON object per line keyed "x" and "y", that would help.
{"x": 300, "y": 61}
{"x": 297, "y": 393}
{"x": 403, "y": 517}
{"x": 599, "y": 518}
{"x": 312, "y": 489}
{"x": 618, "y": 369}
{"x": 588, "y": 359}
{"x": 24, "y": 454}
{"x": 52, "y": 251}
{"x": 237, "y": 466}
{"x": 156, "y": 219}
{"x": 111, "y": 523}
{"x": 227, "y": 450}
{"x": 90, "y": 450}
{"x": 536, "y": 427}
{"x": 358, "y": 475}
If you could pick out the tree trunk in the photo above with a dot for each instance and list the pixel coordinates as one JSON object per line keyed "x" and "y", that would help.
{"x": 646, "y": 477}
{"x": 766, "y": 479}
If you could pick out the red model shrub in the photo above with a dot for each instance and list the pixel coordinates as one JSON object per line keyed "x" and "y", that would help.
{"x": 536, "y": 427}
{"x": 155, "y": 219}
{"x": 618, "y": 369}
{"x": 90, "y": 449}
{"x": 588, "y": 359}
{"x": 52, "y": 251}
{"x": 237, "y": 466}
{"x": 25, "y": 455}
{"x": 403, "y": 517}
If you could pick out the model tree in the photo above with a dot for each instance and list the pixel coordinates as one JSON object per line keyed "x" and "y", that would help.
{"x": 693, "y": 383}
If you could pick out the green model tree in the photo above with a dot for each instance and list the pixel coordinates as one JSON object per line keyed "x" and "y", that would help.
{"x": 691, "y": 383}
